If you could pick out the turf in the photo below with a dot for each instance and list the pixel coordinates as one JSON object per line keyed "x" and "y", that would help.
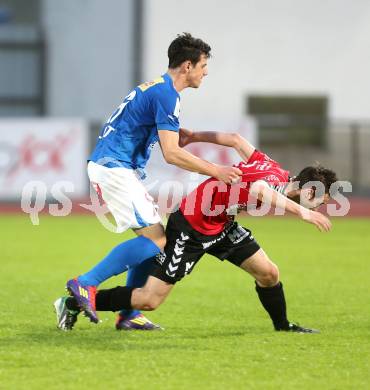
{"x": 217, "y": 335}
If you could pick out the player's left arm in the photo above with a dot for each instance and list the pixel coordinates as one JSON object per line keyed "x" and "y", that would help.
{"x": 261, "y": 190}
{"x": 233, "y": 140}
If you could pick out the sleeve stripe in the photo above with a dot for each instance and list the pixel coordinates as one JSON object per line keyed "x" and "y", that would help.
{"x": 166, "y": 126}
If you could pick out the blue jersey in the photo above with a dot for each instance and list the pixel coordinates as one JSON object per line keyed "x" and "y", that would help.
{"x": 129, "y": 135}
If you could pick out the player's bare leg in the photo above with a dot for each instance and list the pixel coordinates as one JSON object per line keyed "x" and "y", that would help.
{"x": 155, "y": 233}
{"x": 126, "y": 256}
{"x": 270, "y": 291}
{"x": 137, "y": 277}
{"x": 151, "y": 295}
{"x": 148, "y": 297}
{"x": 262, "y": 269}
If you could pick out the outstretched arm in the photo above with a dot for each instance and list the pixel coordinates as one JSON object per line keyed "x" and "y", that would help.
{"x": 261, "y": 190}
{"x": 174, "y": 154}
{"x": 233, "y": 140}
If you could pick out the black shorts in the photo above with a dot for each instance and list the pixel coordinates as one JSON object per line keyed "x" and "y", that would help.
{"x": 185, "y": 246}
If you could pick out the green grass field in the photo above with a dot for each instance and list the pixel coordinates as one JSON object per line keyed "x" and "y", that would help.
{"x": 217, "y": 335}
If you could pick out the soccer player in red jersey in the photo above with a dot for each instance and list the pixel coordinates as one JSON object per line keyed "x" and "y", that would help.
{"x": 204, "y": 223}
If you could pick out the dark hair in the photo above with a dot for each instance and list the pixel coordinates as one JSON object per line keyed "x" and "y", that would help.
{"x": 318, "y": 173}
{"x": 186, "y": 48}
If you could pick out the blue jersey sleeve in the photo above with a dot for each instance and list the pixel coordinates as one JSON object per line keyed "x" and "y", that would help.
{"x": 166, "y": 110}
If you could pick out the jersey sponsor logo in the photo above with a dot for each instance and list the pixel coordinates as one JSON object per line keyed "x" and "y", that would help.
{"x": 258, "y": 165}
{"x": 149, "y": 84}
{"x": 208, "y": 244}
{"x": 238, "y": 235}
{"x": 271, "y": 178}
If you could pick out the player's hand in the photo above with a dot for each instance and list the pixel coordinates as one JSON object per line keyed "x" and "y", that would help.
{"x": 317, "y": 219}
{"x": 185, "y": 136}
{"x": 229, "y": 175}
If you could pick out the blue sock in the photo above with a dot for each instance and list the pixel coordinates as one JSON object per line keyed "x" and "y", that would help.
{"x": 136, "y": 277}
{"x": 126, "y": 255}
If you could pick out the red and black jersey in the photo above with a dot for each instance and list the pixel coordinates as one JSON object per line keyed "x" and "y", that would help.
{"x": 206, "y": 208}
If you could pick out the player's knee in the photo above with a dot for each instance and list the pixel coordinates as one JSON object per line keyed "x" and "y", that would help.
{"x": 151, "y": 302}
{"x": 270, "y": 277}
{"x": 274, "y": 275}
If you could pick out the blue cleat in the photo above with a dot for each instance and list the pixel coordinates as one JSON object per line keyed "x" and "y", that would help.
{"x": 85, "y": 297}
{"x": 138, "y": 322}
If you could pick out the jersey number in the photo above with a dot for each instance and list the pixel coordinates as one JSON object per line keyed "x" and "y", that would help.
{"x": 108, "y": 128}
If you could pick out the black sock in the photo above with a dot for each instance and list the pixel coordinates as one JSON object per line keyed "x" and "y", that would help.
{"x": 273, "y": 300}
{"x": 114, "y": 299}
{"x": 71, "y": 304}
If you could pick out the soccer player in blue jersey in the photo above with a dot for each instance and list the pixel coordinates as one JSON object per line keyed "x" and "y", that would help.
{"x": 148, "y": 114}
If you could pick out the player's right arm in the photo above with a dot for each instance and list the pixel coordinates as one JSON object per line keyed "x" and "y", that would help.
{"x": 234, "y": 140}
{"x": 166, "y": 110}
{"x": 261, "y": 190}
{"x": 174, "y": 154}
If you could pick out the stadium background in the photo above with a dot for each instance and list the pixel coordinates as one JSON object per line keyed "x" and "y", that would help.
{"x": 291, "y": 76}
{"x": 299, "y": 75}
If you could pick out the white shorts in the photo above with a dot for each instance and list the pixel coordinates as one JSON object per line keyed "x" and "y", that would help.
{"x": 125, "y": 196}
